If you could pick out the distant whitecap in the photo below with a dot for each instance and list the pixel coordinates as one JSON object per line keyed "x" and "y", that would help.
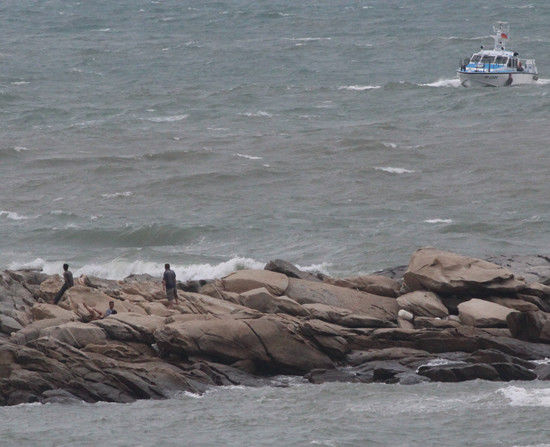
{"x": 249, "y": 157}
{"x": 12, "y": 215}
{"x": 392, "y": 170}
{"x": 259, "y": 113}
{"x": 117, "y": 194}
{"x": 167, "y": 119}
{"x": 436, "y": 221}
{"x": 359, "y": 87}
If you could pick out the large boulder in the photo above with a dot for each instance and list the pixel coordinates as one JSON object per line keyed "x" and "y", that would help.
{"x": 266, "y": 341}
{"x": 529, "y": 326}
{"x": 423, "y": 304}
{"x": 245, "y": 280}
{"x": 375, "y": 284}
{"x": 75, "y": 334}
{"x": 307, "y": 292}
{"x": 481, "y": 313}
{"x": 450, "y": 273}
{"x": 261, "y": 300}
{"x": 41, "y": 311}
{"x": 49, "y": 287}
{"x": 13, "y": 294}
{"x": 514, "y": 303}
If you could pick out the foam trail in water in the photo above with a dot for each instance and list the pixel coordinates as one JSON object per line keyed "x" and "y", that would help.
{"x": 393, "y": 170}
{"x": 455, "y": 82}
{"x": 543, "y": 81}
{"x": 521, "y": 397}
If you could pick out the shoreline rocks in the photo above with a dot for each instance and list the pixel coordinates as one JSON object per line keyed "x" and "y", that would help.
{"x": 450, "y": 318}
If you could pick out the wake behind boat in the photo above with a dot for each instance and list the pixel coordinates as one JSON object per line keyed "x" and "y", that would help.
{"x": 498, "y": 67}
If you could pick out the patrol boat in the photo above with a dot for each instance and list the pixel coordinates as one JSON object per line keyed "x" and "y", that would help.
{"x": 498, "y": 67}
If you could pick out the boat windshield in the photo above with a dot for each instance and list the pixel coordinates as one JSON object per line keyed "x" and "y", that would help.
{"x": 476, "y": 58}
{"x": 487, "y": 59}
{"x": 501, "y": 60}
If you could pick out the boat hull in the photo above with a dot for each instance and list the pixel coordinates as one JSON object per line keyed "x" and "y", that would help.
{"x": 496, "y": 79}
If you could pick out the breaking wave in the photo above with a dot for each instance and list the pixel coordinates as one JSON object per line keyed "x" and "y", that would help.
{"x": 521, "y": 397}
{"x": 12, "y": 215}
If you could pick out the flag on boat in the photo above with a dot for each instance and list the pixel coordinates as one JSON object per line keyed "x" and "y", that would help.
{"x": 503, "y": 36}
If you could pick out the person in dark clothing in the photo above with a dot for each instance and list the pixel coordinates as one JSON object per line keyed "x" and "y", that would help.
{"x": 68, "y": 277}
{"x": 169, "y": 285}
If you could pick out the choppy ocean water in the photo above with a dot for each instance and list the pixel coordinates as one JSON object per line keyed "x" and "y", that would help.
{"x": 475, "y": 414}
{"x": 222, "y": 134}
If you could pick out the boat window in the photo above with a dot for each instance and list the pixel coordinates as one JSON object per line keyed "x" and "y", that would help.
{"x": 476, "y": 58}
{"x": 501, "y": 60}
{"x": 487, "y": 59}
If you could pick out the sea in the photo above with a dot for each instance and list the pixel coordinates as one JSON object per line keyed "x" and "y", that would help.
{"x": 219, "y": 135}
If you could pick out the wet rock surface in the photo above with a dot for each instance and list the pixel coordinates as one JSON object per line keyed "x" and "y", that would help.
{"x": 452, "y": 318}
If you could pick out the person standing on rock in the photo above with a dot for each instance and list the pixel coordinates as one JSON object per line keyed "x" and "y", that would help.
{"x": 169, "y": 285}
{"x": 68, "y": 276}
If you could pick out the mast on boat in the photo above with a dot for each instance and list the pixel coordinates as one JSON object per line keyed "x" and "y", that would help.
{"x": 501, "y": 34}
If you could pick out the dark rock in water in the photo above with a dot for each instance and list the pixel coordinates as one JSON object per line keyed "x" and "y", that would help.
{"x": 509, "y": 371}
{"x": 518, "y": 348}
{"x": 534, "y": 268}
{"x": 459, "y": 373}
{"x": 493, "y": 356}
{"x": 332, "y": 375}
{"x": 58, "y": 396}
{"x": 543, "y": 372}
{"x": 529, "y": 326}
{"x": 290, "y": 270}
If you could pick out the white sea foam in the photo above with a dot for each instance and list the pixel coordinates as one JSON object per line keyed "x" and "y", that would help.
{"x": 543, "y": 81}
{"x": 120, "y": 269}
{"x": 436, "y": 221}
{"x": 21, "y": 149}
{"x": 521, "y": 397}
{"x": 167, "y": 119}
{"x": 249, "y": 157}
{"x": 454, "y": 82}
{"x": 259, "y": 113}
{"x": 12, "y": 215}
{"x": 389, "y": 144}
{"x": 545, "y": 361}
{"x": 392, "y": 170}
{"x": 20, "y": 83}
{"x": 117, "y": 194}
{"x": 359, "y": 88}
{"x": 440, "y": 362}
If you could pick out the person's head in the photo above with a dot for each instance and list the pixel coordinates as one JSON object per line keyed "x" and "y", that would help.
{"x": 65, "y": 267}
{"x": 111, "y": 305}
{"x": 166, "y": 266}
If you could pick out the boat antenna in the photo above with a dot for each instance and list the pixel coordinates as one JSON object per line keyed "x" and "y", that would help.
{"x": 501, "y": 34}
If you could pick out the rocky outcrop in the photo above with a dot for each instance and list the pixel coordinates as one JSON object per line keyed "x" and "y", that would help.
{"x": 252, "y": 324}
{"x": 450, "y": 273}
